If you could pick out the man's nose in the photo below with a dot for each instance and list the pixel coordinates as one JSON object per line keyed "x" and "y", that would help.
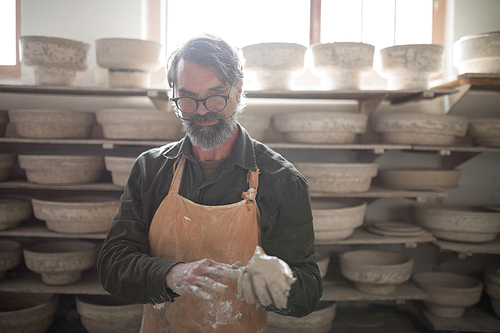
{"x": 202, "y": 110}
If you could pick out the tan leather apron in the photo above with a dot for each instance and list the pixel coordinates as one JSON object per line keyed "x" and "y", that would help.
{"x": 186, "y": 231}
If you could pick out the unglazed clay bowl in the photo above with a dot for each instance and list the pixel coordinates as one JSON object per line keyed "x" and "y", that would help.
{"x": 4, "y": 120}
{"x": 27, "y": 313}
{"x": 274, "y": 66}
{"x": 60, "y": 262}
{"x": 342, "y": 65}
{"x": 376, "y": 272}
{"x": 11, "y": 254}
{"x": 77, "y": 214}
{"x": 139, "y": 124}
{"x": 492, "y": 287}
{"x": 319, "y": 321}
{"x": 411, "y": 66}
{"x": 336, "y": 219}
{"x": 129, "y": 61}
{"x": 419, "y": 128}
{"x": 320, "y": 127}
{"x": 120, "y": 168}
{"x": 62, "y": 169}
{"x": 338, "y": 177}
{"x": 7, "y": 161}
{"x": 323, "y": 261}
{"x": 14, "y": 210}
{"x": 108, "y": 314}
{"x": 485, "y": 131}
{"x": 55, "y": 60}
{"x": 419, "y": 179}
{"x": 477, "y": 53}
{"x": 461, "y": 223}
{"x": 256, "y": 125}
{"x": 52, "y": 124}
{"x": 448, "y": 294}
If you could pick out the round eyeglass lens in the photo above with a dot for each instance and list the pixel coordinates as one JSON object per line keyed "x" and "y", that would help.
{"x": 215, "y": 103}
{"x": 186, "y": 104}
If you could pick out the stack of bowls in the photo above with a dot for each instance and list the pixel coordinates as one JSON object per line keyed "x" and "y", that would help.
{"x": 27, "y": 313}
{"x": 60, "y": 262}
{"x": 105, "y": 313}
{"x": 411, "y": 66}
{"x": 11, "y": 253}
{"x": 319, "y": 321}
{"x": 320, "y": 127}
{"x": 55, "y": 60}
{"x": 492, "y": 287}
{"x": 336, "y": 219}
{"x": 7, "y": 161}
{"x": 461, "y": 223}
{"x": 477, "y": 53}
{"x": 119, "y": 168}
{"x": 338, "y": 177}
{"x": 273, "y": 66}
{"x": 80, "y": 214}
{"x": 52, "y": 124}
{"x": 129, "y": 61}
{"x": 448, "y": 294}
{"x": 342, "y": 65}
{"x": 485, "y": 131}
{"x": 139, "y": 124}
{"x": 62, "y": 169}
{"x": 13, "y": 211}
{"x": 419, "y": 128}
{"x": 376, "y": 272}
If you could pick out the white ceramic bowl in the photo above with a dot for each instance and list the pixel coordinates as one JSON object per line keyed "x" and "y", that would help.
{"x": 419, "y": 128}
{"x": 376, "y": 272}
{"x": 11, "y": 254}
{"x": 139, "y": 124}
{"x": 129, "y": 61}
{"x": 461, "y": 223}
{"x": 52, "y": 124}
{"x": 4, "y": 120}
{"x": 341, "y": 65}
{"x": 273, "y": 66}
{"x": 336, "y": 219}
{"x": 105, "y": 313}
{"x": 14, "y": 210}
{"x": 319, "y": 321}
{"x": 320, "y": 127}
{"x": 477, "y": 53}
{"x": 338, "y": 177}
{"x": 27, "y": 313}
{"x": 7, "y": 161}
{"x": 411, "y": 66}
{"x": 418, "y": 179}
{"x": 60, "y": 262}
{"x": 77, "y": 214}
{"x": 55, "y": 60}
{"x": 448, "y": 294}
{"x": 62, "y": 169}
{"x": 120, "y": 168}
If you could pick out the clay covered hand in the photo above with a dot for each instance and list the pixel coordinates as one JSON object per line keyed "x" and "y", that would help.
{"x": 266, "y": 280}
{"x": 196, "y": 277}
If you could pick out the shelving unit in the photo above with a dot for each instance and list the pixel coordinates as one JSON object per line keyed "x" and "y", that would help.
{"x": 368, "y": 101}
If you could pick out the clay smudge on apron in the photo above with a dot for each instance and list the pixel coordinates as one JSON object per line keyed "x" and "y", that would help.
{"x": 222, "y": 314}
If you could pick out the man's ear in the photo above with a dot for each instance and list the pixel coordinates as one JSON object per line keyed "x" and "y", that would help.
{"x": 239, "y": 90}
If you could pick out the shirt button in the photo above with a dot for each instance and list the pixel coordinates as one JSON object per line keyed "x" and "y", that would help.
{"x": 197, "y": 192}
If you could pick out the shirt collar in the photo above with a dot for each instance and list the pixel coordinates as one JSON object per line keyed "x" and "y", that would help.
{"x": 243, "y": 154}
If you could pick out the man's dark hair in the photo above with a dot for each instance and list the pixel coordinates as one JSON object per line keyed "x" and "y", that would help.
{"x": 208, "y": 50}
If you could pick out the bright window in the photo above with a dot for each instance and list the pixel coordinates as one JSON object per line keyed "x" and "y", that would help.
{"x": 8, "y": 38}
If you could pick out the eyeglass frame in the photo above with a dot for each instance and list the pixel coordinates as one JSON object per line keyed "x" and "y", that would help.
{"x": 204, "y": 100}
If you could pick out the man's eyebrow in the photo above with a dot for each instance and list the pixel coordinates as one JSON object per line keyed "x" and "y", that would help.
{"x": 218, "y": 87}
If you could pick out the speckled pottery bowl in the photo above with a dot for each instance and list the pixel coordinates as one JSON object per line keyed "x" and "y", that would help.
{"x": 319, "y": 321}
{"x": 120, "y": 168}
{"x": 14, "y": 210}
{"x": 477, "y": 53}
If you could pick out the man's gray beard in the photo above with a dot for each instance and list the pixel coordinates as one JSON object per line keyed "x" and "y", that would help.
{"x": 209, "y": 137}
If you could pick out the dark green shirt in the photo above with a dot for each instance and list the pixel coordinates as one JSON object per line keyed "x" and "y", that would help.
{"x": 127, "y": 271}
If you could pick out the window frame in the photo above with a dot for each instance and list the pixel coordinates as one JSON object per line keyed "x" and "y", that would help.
{"x": 14, "y": 71}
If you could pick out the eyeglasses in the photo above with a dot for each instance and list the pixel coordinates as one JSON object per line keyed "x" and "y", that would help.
{"x": 214, "y": 103}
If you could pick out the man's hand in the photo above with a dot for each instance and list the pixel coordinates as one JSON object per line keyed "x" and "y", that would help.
{"x": 266, "y": 280}
{"x": 192, "y": 278}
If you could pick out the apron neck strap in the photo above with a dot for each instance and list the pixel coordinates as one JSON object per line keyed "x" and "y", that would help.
{"x": 178, "y": 171}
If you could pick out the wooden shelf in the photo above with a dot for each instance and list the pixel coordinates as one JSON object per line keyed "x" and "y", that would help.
{"x": 468, "y": 249}
{"x": 23, "y": 184}
{"x": 348, "y": 292}
{"x": 477, "y": 81}
{"x": 23, "y": 280}
{"x": 361, "y": 236}
{"x": 37, "y": 228}
{"x": 378, "y": 192}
